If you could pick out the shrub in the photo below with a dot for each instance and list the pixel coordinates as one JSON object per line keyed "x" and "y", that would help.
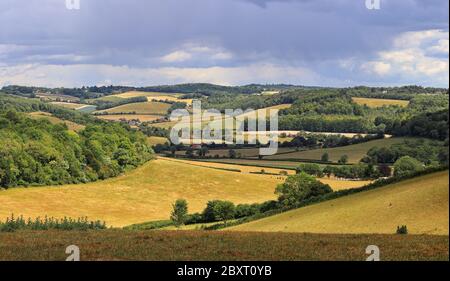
{"x": 407, "y": 165}
{"x": 300, "y": 187}
{"x": 402, "y": 229}
{"x": 179, "y": 213}
{"x": 12, "y": 224}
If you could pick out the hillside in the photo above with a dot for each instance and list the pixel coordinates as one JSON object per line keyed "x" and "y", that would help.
{"x": 354, "y": 152}
{"x": 420, "y": 203}
{"x": 141, "y": 108}
{"x": 144, "y": 194}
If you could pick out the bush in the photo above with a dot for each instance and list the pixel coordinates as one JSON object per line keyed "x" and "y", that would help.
{"x": 300, "y": 187}
{"x": 310, "y": 169}
{"x": 402, "y": 229}
{"x": 217, "y": 210}
{"x": 407, "y": 165}
{"x": 12, "y": 224}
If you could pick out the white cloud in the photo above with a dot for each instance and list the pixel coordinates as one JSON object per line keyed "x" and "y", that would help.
{"x": 196, "y": 52}
{"x": 177, "y": 56}
{"x": 414, "y": 55}
{"x": 91, "y": 74}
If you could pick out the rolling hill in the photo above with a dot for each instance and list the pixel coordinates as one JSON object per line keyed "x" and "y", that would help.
{"x": 421, "y": 203}
{"x": 354, "y": 152}
{"x": 144, "y": 194}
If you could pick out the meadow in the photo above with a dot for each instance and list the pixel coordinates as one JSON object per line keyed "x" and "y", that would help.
{"x": 422, "y": 204}
{"x": 217, "y": 246}
{"x": 144, "y": 194}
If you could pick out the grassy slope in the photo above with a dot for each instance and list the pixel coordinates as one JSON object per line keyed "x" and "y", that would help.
{"x": 55, "y": 120}
{"x": 334, "y": 183}
{"x": 141, "y": 108}
{"x": 202, "y": 245}
{"x": 420, "y": 203}
{"x": 354, "y": 152}
{"x": 143, "y": 194}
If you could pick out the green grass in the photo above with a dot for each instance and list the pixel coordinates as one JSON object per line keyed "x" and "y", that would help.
{"x": 420, "y": 203}
{"x": 218, "y": 246}
{"x": 354, "y": 152}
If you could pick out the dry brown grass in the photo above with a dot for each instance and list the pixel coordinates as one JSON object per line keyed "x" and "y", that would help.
{"x": 216, "y": 246}
{"x": 144, "y": 194}
{"x": 370, "y": 102}
{"x": 422, "y": 204}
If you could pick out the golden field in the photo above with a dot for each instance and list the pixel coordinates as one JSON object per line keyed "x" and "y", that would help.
{"x": 275, "y": 173}
{"x": 141, "y": 195}
{"x": 140, "y": 117}
{"x": 371, "y": 102}
{"x": 156, "y": 108}
{"x": 419, "y": 203}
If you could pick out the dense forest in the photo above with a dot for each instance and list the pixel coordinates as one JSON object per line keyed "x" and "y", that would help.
{"x": 37, "y": 152}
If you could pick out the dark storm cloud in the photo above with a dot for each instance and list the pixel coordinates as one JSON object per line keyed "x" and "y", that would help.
{"x": 137, "y": 33}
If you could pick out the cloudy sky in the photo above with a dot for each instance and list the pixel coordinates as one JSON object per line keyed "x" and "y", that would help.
{"x": 230, "y": 42}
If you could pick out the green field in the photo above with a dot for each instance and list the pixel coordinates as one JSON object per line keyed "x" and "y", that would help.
{"x": 354, "y": 152}
{"x": 216, "y": 246}
{"x": 420, "y": 203}
{"x": 144, "y": 194}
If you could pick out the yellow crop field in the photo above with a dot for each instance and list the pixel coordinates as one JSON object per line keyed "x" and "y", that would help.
{"x": 140, "y": 117}
{"x": 419, "y": 203}
{"x": 69, "y": 105}
{"x": 141, "y": 195}
{"x": 370, "y": 102}
{"x": 156, "y": 108}
{"x": 275, "y": 173}
{"x": 133, "y": 94}
{"x": 157, "y": 140}
{"x": 354, "y": 152}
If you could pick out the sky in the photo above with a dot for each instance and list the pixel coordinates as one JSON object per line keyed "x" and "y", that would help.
{"x": 336, "y": 43}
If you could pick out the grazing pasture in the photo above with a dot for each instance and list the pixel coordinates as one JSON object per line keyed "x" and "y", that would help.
{"x": 419, "y": 203}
